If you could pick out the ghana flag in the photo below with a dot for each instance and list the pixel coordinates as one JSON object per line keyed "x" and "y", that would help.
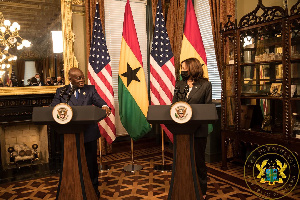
{"x": 192, "y": 44}
{"x": 132, "y": 89}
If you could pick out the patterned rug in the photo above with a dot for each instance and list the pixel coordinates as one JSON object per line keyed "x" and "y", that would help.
{"x": 145, "y": 184}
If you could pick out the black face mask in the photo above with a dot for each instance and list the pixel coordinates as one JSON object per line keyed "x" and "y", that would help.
{"x": 185, "y": 75}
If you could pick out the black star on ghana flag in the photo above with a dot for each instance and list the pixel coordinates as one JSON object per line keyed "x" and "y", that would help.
{"x": 131, "y": 74}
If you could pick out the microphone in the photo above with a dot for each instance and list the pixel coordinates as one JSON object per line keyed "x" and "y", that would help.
{"x": 63, "y": 91}
{"x": 181, "y": 91}
{"x": 70, "y": 94}
{"x": 186, "y": 90}
{"x": 176, "y": 90}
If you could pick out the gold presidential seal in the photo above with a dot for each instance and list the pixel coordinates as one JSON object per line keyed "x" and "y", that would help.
{"x": 62, "y": 113}
{"x": 181, "y": 112}
{"x": 271, "y": 171}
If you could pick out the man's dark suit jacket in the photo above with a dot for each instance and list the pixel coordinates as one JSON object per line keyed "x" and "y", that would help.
{"x": 201, "y": 93}
{"x": 87, "y": 96}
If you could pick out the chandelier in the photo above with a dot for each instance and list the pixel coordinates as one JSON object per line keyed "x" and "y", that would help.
{"x": 10, "y": 41}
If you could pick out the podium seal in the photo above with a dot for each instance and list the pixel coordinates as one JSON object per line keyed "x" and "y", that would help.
{"x": 62, "y": 113}
{"x": 271, "y": 171}
{"x": 181, "y": 112}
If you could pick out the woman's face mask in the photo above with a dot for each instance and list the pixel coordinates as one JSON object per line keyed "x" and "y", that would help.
{"x": 184, "y": 71}
{"x": 185, "y": 75}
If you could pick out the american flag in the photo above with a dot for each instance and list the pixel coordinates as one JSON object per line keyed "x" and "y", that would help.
{"x": 162, "y": 70}
{"x": 100, "y": 75}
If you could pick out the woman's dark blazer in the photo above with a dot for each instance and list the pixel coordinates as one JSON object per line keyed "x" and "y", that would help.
{"x": 201, "y": 93}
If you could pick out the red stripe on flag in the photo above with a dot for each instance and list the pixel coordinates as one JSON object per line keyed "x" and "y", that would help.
{"x": 156, "y": 94}
{"x": 162, "y": 84}
{"x": 104, "y": 134}
{"x": 110, "y": 125}
{"x": 108, "y": 121}
{"x": 101, "y": 93}
{"x": 192, "y": 31}
{"x": 169, "y": 74}
{"x": 129, "y": 33}
{"x": 106, "y": 83}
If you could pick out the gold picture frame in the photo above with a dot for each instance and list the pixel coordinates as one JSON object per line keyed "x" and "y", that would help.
{"x": 68, "y": 54}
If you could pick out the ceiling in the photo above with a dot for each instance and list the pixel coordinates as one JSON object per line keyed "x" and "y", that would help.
{"x": 36, "y": 17}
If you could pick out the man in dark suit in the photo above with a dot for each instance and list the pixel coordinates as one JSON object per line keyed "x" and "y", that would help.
{"x": 84, "y": 95}
{"x": 38, "y": 79}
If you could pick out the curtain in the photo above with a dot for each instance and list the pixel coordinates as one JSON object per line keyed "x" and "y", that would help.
{"x": 90, "y": 7}
{"x": 20, "y": 64}
{"x": 219, "y": 10}
{"x": 39, "y": 68}
{"x": 175, "y": 21}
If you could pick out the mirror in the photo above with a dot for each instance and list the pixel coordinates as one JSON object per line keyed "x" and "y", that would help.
{"x": 24, "y": 65}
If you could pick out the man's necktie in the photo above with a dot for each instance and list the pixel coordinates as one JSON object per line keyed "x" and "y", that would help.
{"x": 77, "y": 94}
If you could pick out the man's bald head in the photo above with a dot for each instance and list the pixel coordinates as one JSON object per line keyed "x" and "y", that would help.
{"x": 76, "y": 77}
{"x": 74, "y": 70}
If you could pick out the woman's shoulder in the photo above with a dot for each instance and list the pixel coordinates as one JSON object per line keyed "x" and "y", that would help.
{"x": 204, "y": 81}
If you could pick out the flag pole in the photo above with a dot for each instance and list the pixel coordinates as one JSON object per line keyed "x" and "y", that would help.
{"x": 163, "y": 167}
{"x": 101, "y": 166}
{"x": 162, "y": 147}
{"x": 132, "y": 167}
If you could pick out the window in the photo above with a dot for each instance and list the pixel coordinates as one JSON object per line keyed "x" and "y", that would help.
{"x": 202, "y": 10}
{"x": 30, "y": 71}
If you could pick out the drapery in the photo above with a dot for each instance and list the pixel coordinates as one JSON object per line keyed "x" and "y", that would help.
{"x": 90, "y": 7}
{"x": 219, "y": 10}
{"x": 20, "y": 64}
{"x": 39, "y": 68}
{"x": 175, "y": 20}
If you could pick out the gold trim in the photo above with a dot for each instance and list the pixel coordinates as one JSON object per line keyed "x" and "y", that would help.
{"x": 68, "y": 54}
{"x": 6, "y": 91}
{"x": 70, "y": 60}
{"x": 78, "y": 2}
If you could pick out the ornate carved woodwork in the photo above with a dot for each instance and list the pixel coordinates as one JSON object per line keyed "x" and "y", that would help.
{"x": 274, "y": 23}
{"x": 18, "y": 108}
{"x": 229, "y": 24}
{"x": 70, "y": 60}
{"x": 269, "y": 14}
{"x": 295, "y": 10}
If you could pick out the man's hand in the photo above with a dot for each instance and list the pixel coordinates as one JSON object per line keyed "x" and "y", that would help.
{"x": 107, "y": 110}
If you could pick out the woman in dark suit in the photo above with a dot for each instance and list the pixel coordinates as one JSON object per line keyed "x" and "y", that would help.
{"x": 200, "y": 92}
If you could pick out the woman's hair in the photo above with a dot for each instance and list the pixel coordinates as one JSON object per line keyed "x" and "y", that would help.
{"x": 195, "y": 68}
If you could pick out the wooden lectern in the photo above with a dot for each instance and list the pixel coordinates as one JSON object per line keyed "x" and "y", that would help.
{"x": 184, "y": 182}
{"x": 74, "y": 182}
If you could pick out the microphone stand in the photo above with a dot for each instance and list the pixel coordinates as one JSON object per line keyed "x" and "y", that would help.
{"x": 181, "y": 94}
{"x": 63, "y": 91}
{"x": 70, "y": 94}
